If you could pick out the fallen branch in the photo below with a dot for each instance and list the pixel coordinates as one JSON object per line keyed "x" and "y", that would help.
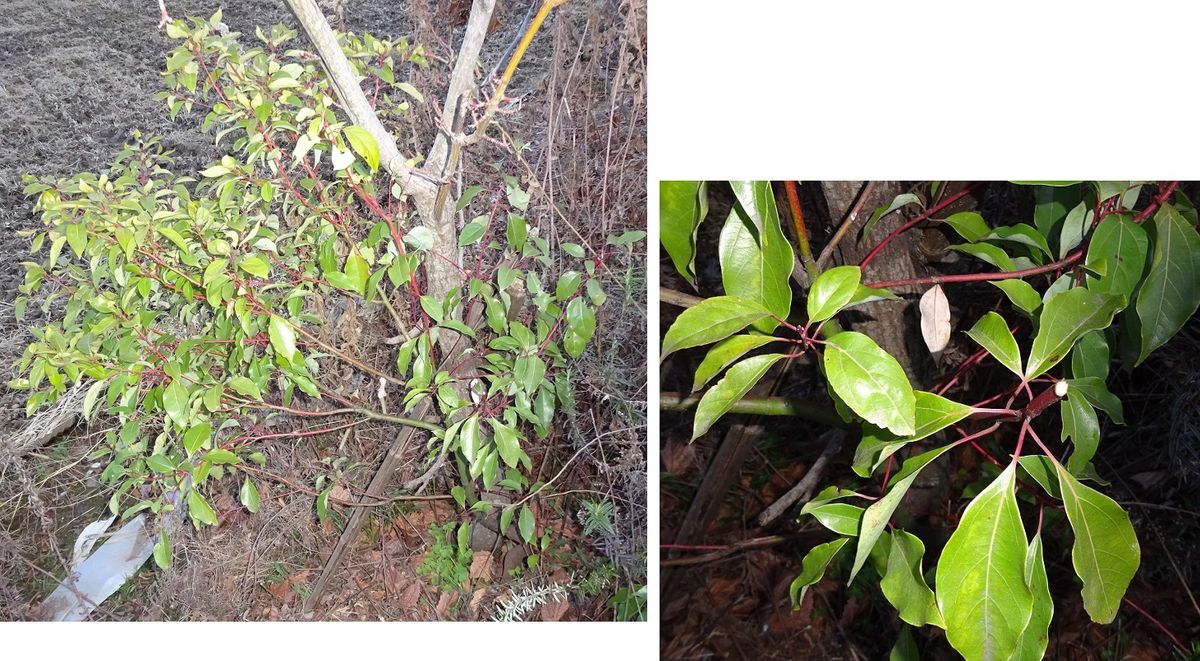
{"x": 814, "y": 412}
{"x": 804, "y": 488}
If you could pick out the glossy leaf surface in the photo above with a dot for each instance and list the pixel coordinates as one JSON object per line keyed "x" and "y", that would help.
{"x": 991, "y": 332}
{"x": 711, "y": 320}
{"x": 1106, "y": 554}
{"x": 1064, "y": 319}
{"x": 871, "y": 382}
{"x": 729, "y": 390}
{"x": 981, "y": 575}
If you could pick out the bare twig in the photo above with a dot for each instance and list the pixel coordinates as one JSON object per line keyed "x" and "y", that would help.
{"x": 847, "y": 223}
{"x": 804, "y": 488}
{"x": 678, "y": 299}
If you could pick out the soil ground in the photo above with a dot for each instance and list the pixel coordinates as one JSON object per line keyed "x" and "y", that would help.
{"x": 77, "y": 77}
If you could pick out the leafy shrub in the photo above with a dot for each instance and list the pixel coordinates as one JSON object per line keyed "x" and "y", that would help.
{"x": 1122, "y": 281}
{"x": 193, "y": 305}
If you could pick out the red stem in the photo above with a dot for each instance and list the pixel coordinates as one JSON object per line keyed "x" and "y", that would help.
{"x": 912, "y": 223}
{"x": 982, "y": 277}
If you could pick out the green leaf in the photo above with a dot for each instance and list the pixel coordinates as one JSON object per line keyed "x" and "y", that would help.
{"x": 933, "y": 414}
{"x": 248, "y": 494}
{"x": 1170, "y": 294}
{"x": 1098, "y": 395}
{"x": 244, "y": 386}
{"x": 1080, "y": 424}
{"x": 1090, "y": 356}
{"x": 254, "y": 265}
{"x": 507, "y": 443}
{"x": 160, "y": 464}
{"x": 904, "y": 583}
{"x": 420, "y": 238}
{"x": 174, "y": 236}
{"x": 981, "y": 575}
{"x": 1106, "y": 554}
{"x": 970, "y": 225}
{"x": 573, "y": 249}
{"x": 516, "y": 232}
{"x": 813, "y": 568}
{"x": 842, "y": 518}
{"x": 568, "y": 284}
{"x": 1064, "y": 318}
{"x": 832, "y": 291}
{"x": 1020, "y": 234}
{"x": 162, "y": 550}
{"x": 467, "y": 195}
{"x": 283, "y": 337}
{"x": 1031, "y": 646}
{"x": 220, "y": 456}
{"x": 876, "y": 517}
{"x": 358, "y": 271}
{"x": 864, "y": 294}
{"x": 1041, "y": 469}
{"x": 711, "y": 320}
{"x": 722, "y": 354}
{"x": 506, "y": 515}
{"x": 756, "y": 259}
{"x": 1075, "y": 225}
{"x": 89, "y": 399}
{"x": 1022, "y": 295}
{"x": 323, "y": 504}
{"x": 1122, "y": 244}
{"x": 472, "y": 231}
{"x": 201, "y": 512}
{"x": 175, "y": 402}
{"x": 1051, "y": 205}
{"x": 729, "y": 390}
{"x": 525, "y": 524}
{"x": 433, "y": 308}
{"x": 898, "y": 202}
{"x": 991, "y": 332}
{"x": 363, "y": 143}
{"x": 870, "y": 381}
{"x": 988, "y": 253}
{"x": 460, "y": 497}
{"x": 196, "y": 436}
{"x": 77, "y": 238}
{"x": 905, "y": 648}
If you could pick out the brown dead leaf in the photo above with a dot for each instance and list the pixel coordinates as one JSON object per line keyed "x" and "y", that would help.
{"x": 283, "y": 590}
{"x": 481, "y": 565}
{"x": 678, "y": 457}
{"x": 410, "y": 596}
{"x": 723, "y": 590}
{"x": 476, "y": 598}
{"x": 553, "y": 611}
{"x": 444, "y": 603}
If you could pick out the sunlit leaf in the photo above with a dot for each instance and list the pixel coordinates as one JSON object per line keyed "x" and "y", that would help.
{"x": 904, "y": 583}
{"x": 981, "y": 586}
{"x": 729, "y": 390}
{"x": 1064, "y": 319}
{"x": 724, "y": 353}
{"x": 711, "y": 320}
{"x": 870, "y": 381}
{"x": 991, "y": 332}
{"x": 832, "y": 291}
{"x": 1106, "y": 554}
